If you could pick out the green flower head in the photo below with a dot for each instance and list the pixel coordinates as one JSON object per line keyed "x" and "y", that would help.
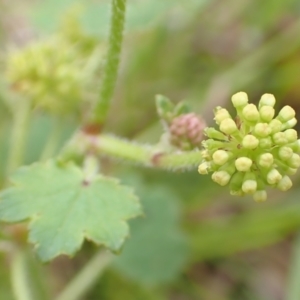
{"x": 254, "y": 150}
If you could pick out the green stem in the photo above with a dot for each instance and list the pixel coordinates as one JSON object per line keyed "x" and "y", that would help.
{"x": 18, "y": 136}
{"x": 293, "y": 288}
{"x": 19, "y": 277}
{"x": 145, "y": 155}
{"x": 83, "y": 281}
{"x": 112, "y": 61}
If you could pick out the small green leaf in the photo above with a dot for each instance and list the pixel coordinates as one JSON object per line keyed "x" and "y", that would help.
{"x": 64, "y": 209}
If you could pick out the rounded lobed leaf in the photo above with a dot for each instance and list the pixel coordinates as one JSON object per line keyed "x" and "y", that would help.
{"x": 64, "y": 208}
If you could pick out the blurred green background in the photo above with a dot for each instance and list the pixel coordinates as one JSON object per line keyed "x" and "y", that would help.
{"x": 196, "y": 241}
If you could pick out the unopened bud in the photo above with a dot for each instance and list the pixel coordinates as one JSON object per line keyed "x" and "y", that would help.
{"x": 291, "y": 171}
{"x": 260, "y": 196}
{"x": 221, "y": 177}
{"x": 265, "y": 143}
{"x": 291, "y": 135}
{"x": 220, "y": 157}
{"x": 204, "y": 168}
{"x": 243, "y": 164}
{"x": 266, "y": 160}
{"x": 251, "y": 113}
{"x": 286, "y": 113}
{"x": 221, "y": 114}
{"x": 267, "y": 113}
{"x": 262, "y": 129}
{"x": 295, "y": 146}
{"x": 285, "y": 183}
{"x": 228, "y": 126}
{"x": 285, "y": 153}
{"x": 290, "y": 123}
{"x": 275, "y": 125}
{"x": 267, "y": 99}
{"x": 273, "y": 176}
{"x": 205, "y": 154}
{"x": 250, "y": 184}
{"x": 294, "y": 161}
{"x": 239, "y": 99}
{"x": 279, "y": 138}
{"x": 250, "y": 142}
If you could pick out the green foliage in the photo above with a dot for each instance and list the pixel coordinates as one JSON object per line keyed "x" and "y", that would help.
{"x": 188, "y": 51}
{"x": 157, "y": 251}
{"x": 64, "y": 208}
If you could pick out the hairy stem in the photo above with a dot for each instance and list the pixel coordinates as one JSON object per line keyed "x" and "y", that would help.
{"x": 86, "y": 277}
{"x": 112, "y": 62}
{"x": 140, "y": 154}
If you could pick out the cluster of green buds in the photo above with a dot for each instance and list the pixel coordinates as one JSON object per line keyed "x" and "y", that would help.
{"x": 254, "y": 150}
{"x": 184, "y": 129}
{"x": 55, "y": 74}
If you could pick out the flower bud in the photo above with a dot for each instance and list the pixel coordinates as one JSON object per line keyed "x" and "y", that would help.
{"x": 221, "y": 114}
{"x": 285, "y": 153}
{"x": 204, "y": 168}
{"x": 254, "y": 150}
{"x": 228, "y": 126}
{"x": 205, "y": 154}
{"x": 265, "y": 143}
{"x": 260, "y": 196}
{"x": 267, "y": 99}
{"x": 220, "y": 157}
{"x": 265, "y": 160}
{"x": 250, "y": 142}
{"x": 291, "y": 171}
{"x": 239, "y": 99}
{"x": 295, "y": 146}
{"x": 294, "y": 161}
{"x": 249, "y": 184}
{"x": 262, "y": 129}
{"x": 251, "y": 113}
{"x": 279, "y": 138}
{"x": 286, "y": 113}
{"x": 273, "y": 176}
{"x": 221, "y": 177}
{"x": 291, "y": 135}
{"x": 285, "y": 183}
{"x": 186, "y": 131}
{"x": 275, "y": 125}
{"x": 243, "y": 164}
{"x": 290, "y": 123}
{"x": 266, "y": 113}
